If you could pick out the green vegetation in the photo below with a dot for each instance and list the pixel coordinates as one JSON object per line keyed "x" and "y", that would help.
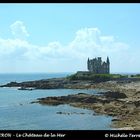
{"x": 135, "y": 76}
{"x": 95, "y": 77}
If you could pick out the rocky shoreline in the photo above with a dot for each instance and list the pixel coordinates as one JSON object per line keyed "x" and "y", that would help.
{"x": 122, "y": 100}
{"x": 114, "y": 104}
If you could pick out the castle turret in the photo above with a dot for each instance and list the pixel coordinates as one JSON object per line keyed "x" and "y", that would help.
{"x": 88, "y": 64}
{"x": 108, "y": 60}
{"x": 108, "y": 65}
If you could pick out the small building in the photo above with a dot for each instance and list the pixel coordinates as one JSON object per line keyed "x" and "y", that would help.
{"x": 97, "y": 66}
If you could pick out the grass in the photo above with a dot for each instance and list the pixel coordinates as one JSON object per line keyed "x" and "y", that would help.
{"x": 135, "y": 76}
{"x": 95, "y": 77}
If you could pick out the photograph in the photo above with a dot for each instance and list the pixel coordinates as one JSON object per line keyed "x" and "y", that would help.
{"x": 69, "y": 67}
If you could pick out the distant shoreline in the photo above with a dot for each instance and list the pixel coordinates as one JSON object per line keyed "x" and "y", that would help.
{"x": 77, "y": 80}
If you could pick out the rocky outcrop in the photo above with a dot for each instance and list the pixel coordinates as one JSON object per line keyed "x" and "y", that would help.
{"x": 54, "y": 83}
{"x": 113, "y": 95}
{"x": 59, "y": 83}
{"x": 81, "y": 98}
{"x": 124, "y": 108}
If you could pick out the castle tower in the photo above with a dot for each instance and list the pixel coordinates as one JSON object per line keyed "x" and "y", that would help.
{"x": 108, "y": 65}
{"x": 88, "y": 67}
{"x": 99, "y": 65}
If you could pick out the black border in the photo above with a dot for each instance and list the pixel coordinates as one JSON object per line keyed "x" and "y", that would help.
{"x": 70, "y": 1}
{"x": 71, "y": 134}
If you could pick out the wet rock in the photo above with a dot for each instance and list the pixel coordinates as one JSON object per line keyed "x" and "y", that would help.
{"x": 137, "y": 103}
{"x": 115, "y": 120}
{"x": 116, "y": 95}
{"x": 70, "y": 113}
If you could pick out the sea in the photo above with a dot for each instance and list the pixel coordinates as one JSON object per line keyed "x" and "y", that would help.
{"x": 17, "y": 112}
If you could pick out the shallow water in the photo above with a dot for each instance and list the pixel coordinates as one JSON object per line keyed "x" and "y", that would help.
{"x": 16, "y": 112}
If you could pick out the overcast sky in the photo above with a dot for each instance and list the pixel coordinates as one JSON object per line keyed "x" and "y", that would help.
{"x": 61, "y": 37}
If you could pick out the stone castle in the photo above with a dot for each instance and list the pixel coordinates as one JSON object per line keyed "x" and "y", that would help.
{"x": 98, "y": 66}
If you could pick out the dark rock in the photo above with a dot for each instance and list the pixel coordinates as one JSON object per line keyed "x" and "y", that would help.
{"x": 115, "y": 120}
{"x": 137, "y": 103}
{"x": 138, "y": 92}
{"x": 82, "y": 93}
{"x": 59, "y": 112}
{"x": 24, "y": 88}
{"x": 91, "y": 100}
{"x": 116, "y": 95}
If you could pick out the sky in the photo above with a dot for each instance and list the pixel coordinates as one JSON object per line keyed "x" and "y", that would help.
{"x": 36, "y": 38}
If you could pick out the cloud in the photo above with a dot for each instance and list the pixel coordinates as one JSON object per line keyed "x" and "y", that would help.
{"x": 19, "y": 30}
{"x": 88, "y": 42}
{"x": 8, "y": 46}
